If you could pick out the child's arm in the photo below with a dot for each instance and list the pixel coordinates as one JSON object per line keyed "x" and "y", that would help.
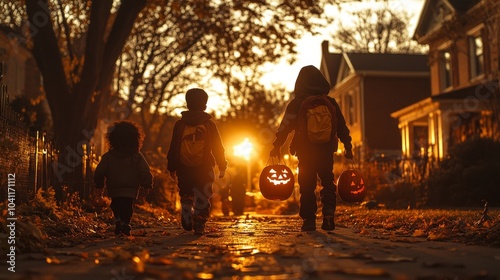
{"x": 173, "y": 151}
{"x": 100, "y": 174}
{"x": 145, "y": 173}
{"x": 218, "y": 150}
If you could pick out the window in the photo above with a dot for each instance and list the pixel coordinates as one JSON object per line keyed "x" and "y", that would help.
{"x": 351, "y": 108}
{"x": 445, "y": 70}
{"x": 476, "y": 55}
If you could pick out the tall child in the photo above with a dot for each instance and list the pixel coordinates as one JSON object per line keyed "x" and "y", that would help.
{"x": 315, "y": 160}
{"x": 195, "y": 148}
{"x": 123, "y": 169}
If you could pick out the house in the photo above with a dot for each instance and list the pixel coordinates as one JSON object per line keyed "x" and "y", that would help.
{"x": 463, "y": 58}
{"x": 368, "y": 88}
{"x": 20, "y": 72}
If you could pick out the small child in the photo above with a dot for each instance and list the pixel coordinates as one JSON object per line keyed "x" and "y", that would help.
{"x": 195, "y": 148}
{"x": 123, "y": 169}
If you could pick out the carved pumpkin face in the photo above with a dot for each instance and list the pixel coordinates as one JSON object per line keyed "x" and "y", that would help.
{"x": 276, "y": 182}
{"x": 280, "y": 176}
{"x": 351, "y": 186}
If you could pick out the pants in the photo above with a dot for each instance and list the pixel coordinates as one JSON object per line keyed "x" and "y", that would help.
{"x": 195, "y": 189}
{"x": 122, "y": 208}
{"x": 311, "y": 166}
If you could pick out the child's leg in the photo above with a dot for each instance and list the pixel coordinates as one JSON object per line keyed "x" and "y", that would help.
{"x": 187, "y": 201}
{"x": 122, "y": 210}
{"x": 115, "y": 207}
{"x": 186, "y": 194}
{"x": 126, "y": 215}
{"x": 202, "y": 194}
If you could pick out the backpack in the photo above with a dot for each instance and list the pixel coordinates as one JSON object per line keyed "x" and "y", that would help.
{"x": 194, "y": 142}
{"x": 317, "y": 120}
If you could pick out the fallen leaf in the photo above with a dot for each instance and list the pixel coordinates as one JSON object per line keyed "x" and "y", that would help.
{"x": 53, "y": 260}
{"x": 418, "y": 233}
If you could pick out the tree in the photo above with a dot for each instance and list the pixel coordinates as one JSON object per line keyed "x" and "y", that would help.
{"x": 376, "y": 30}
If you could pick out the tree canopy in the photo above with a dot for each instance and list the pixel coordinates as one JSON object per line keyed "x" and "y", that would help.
{"x": 376, "y": 30}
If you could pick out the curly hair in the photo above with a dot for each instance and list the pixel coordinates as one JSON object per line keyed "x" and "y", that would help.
{"x": 125, "y": 137}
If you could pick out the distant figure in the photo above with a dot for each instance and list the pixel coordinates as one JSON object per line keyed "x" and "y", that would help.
{"x": 195, "y": 148}
{"x": 238, "y": 187}
{"x": 314, "y": 149}
{"x": 123, "y": 170}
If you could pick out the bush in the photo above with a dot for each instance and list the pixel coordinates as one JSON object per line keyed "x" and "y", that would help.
{"x": 469, "y": 175}
{"x": 397, "y": 196}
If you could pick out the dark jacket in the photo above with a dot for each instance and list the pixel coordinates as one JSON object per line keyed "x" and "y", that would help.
{"x": 215, "y": 152}
{"x": 309, "y": 82}
{"x": 123, "y": 174}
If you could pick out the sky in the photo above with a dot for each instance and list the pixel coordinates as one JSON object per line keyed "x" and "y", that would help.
{"x": 309, "y": 47}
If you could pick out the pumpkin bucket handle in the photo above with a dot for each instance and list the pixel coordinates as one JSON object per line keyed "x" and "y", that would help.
{"x": 272, "y": 161}
{"x": 353, "y": 164}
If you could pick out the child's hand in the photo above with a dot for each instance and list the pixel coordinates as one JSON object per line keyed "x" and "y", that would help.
{"x": 173, "y": 175}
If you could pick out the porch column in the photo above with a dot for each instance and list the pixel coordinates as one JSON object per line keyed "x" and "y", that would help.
{"x": 440, "y": 133}
{"x": 405, "y": 139}
{"x": 432, "y": 149}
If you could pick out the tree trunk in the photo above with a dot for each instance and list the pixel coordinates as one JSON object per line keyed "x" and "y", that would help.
{"x": 75, "y": 107}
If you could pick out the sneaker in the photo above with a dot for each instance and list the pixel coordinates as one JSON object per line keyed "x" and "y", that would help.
{"x": 328, "y": 223}
{"x": 199, "y": 228}
{"x": 187, "y": 220}
{"x": 125, "y": 229}
{"x": 309, "y": 225}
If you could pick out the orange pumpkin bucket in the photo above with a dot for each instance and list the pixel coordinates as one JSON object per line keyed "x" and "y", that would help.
{"x": 351, "y": 186}
{"x": 276, "y": 182}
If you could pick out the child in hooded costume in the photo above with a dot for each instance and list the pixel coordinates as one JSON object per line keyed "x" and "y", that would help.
{"x": 124, "y": 170}
{"x": 315, "y": 160}
{"x": 195, "y": 180}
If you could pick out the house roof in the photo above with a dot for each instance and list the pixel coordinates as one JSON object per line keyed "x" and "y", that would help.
{"x": 435, "y": 12}
{"x": 387, "y": 62}
{"x": 330, "y": 67}
{"x": 336, "y": 66}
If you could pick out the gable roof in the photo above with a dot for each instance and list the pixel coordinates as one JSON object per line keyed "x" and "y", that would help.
{"x": 330, "y": 64}
{"x": 383, "y": 64}
{"x": 436, "y": 12}
{"x": 330, "y": 67}
{"x": 387, "y": 62}
{"x": 336, "y": 66}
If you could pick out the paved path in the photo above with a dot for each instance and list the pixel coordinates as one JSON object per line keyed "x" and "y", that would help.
{"x": 260, "y": 247}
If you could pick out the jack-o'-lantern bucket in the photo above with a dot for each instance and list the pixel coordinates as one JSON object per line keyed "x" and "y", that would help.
{"x": 276, "y": 182}
{"x": 351, "y": 186}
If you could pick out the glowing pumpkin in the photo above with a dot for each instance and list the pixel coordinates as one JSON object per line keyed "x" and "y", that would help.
{"x": 276, "y": 182}
{"x": 351, "y": 186}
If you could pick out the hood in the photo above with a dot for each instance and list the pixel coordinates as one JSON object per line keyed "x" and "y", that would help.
{"x": 311, "y": 82}
{"x": 195, "y": 117}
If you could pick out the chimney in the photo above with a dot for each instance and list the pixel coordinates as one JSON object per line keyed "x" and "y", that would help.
{"x": 324, "y": 47}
